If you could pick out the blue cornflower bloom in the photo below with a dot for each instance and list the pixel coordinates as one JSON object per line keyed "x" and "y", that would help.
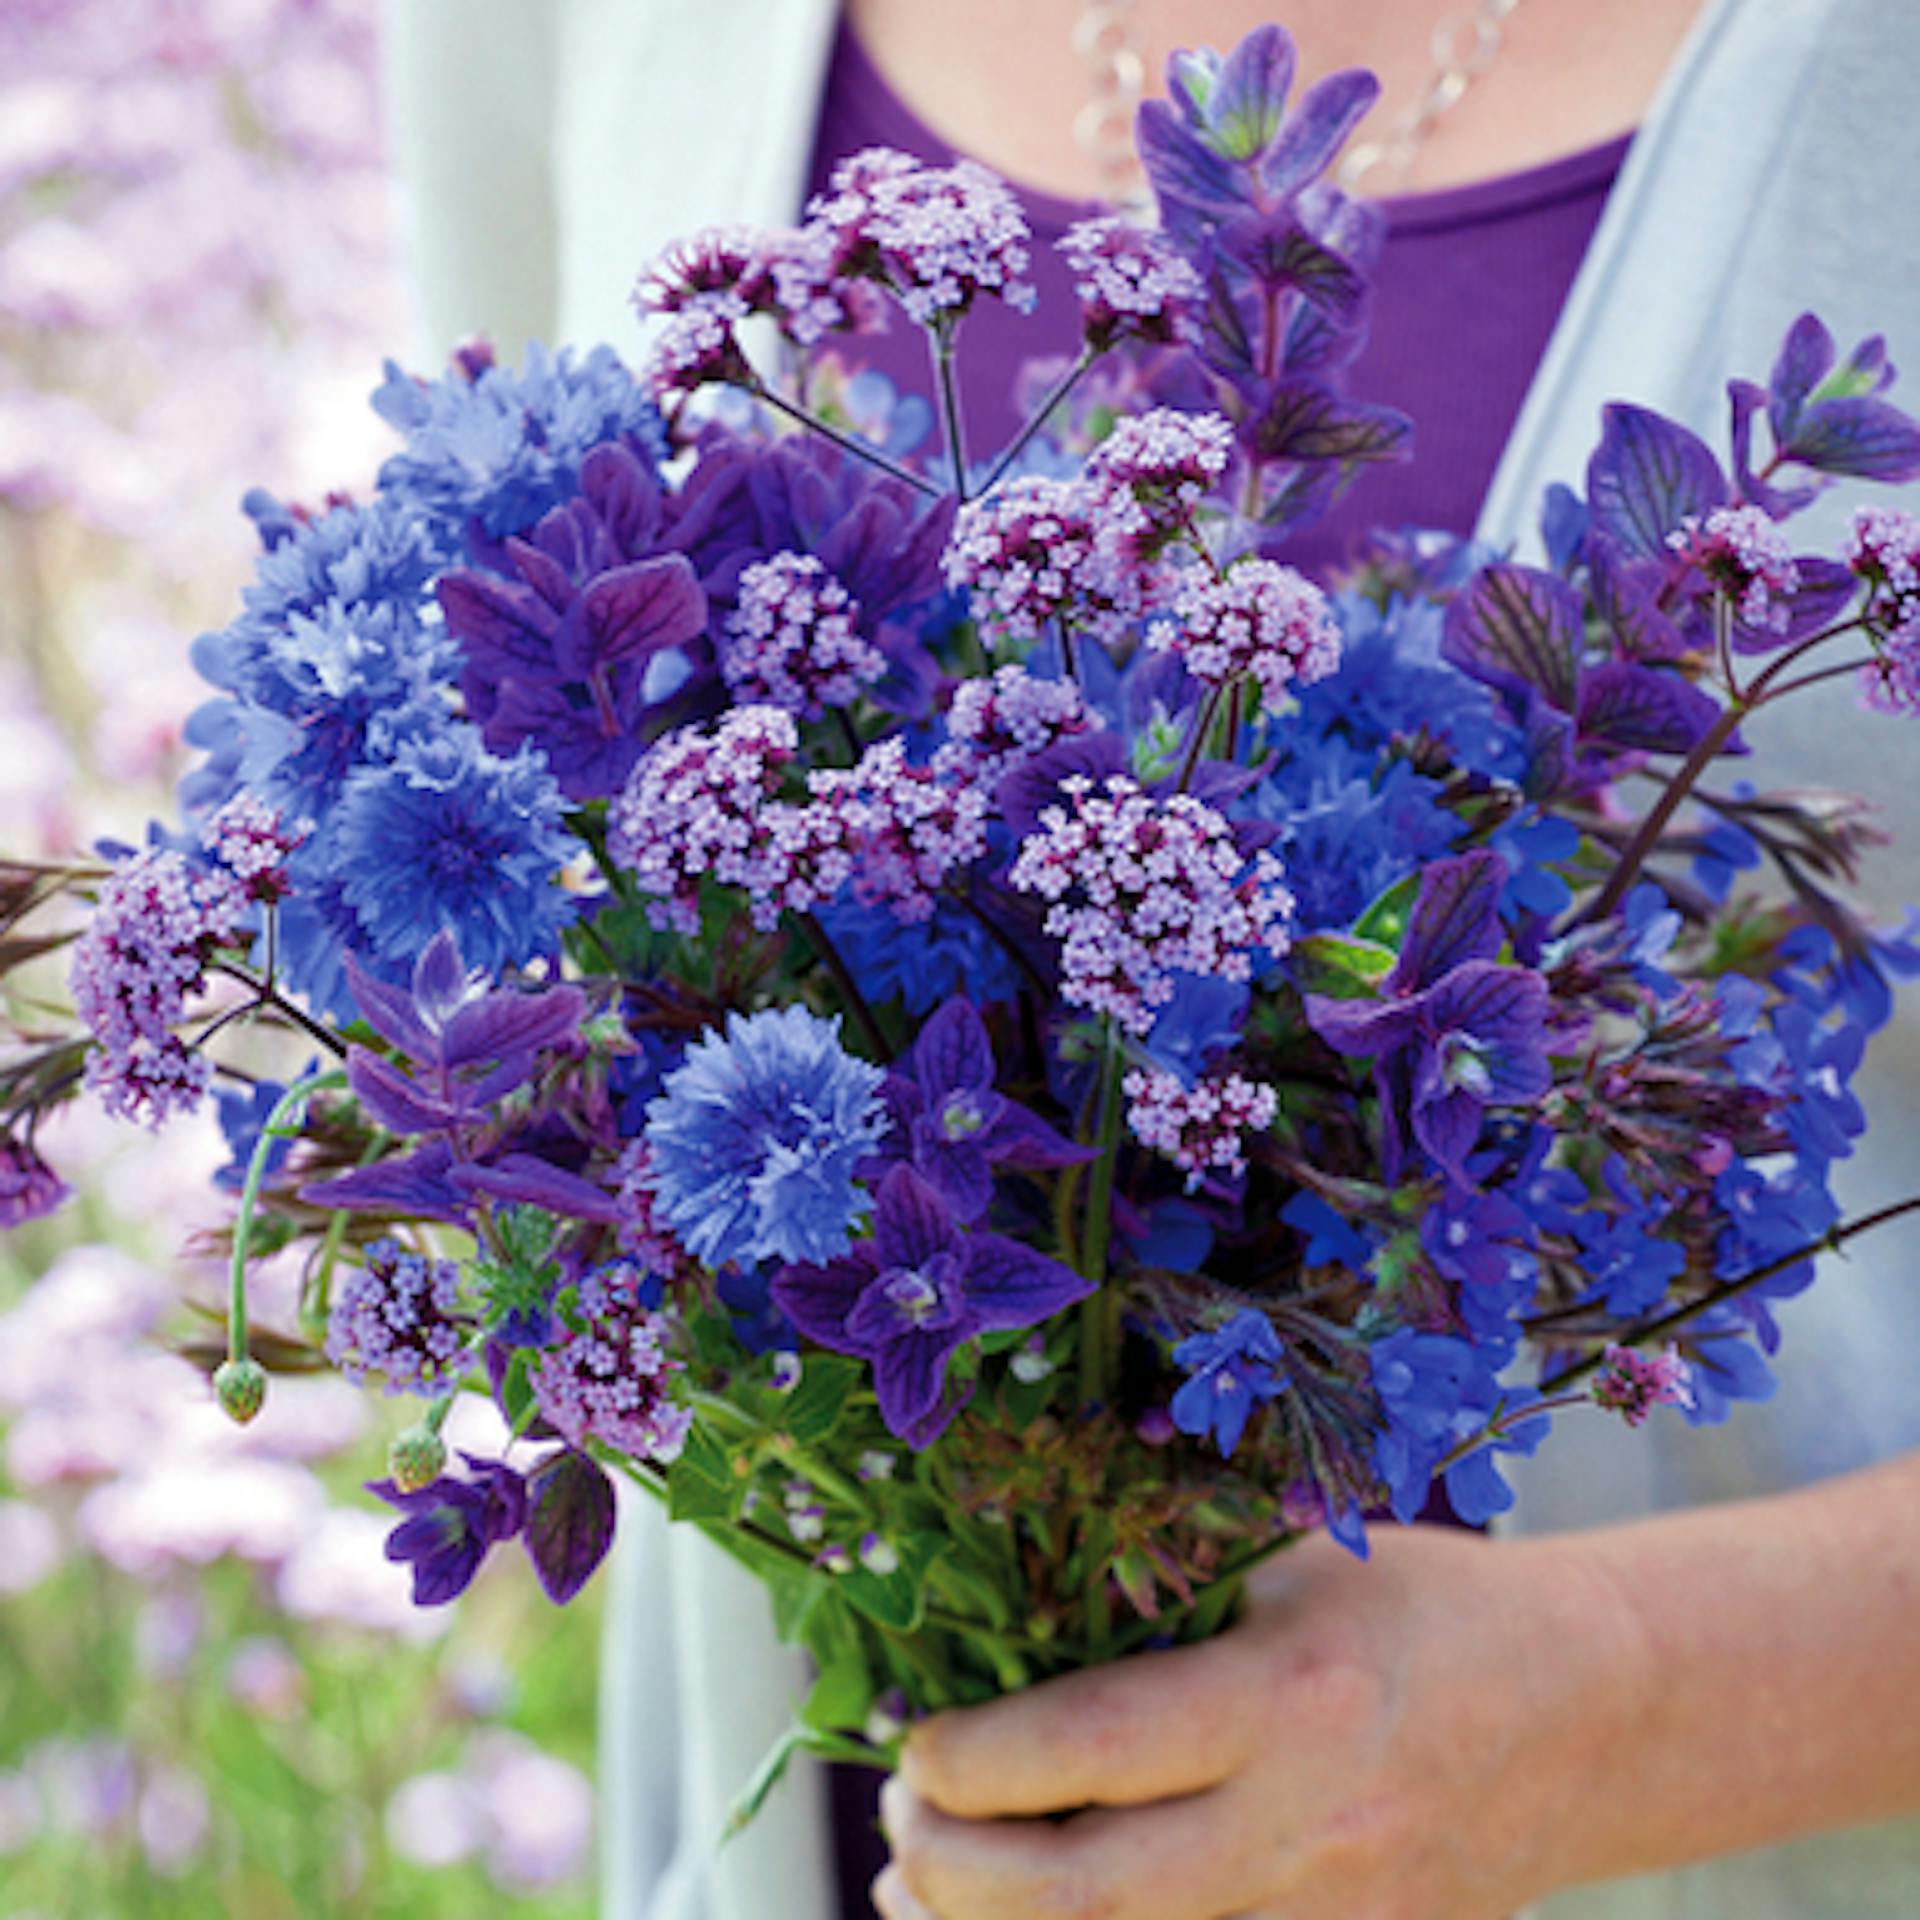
{"x": 756, "y": 1137}
{"x": 498, "y": 447}
{"x": 1233, "y": 1371}
{"x": 449, "y": 836}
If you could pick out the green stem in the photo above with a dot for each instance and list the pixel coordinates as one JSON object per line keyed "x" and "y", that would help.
{"x": 1097, "y": 1320}
{"x": 290, "y": 1103}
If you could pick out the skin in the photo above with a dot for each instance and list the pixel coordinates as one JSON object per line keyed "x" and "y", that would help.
{"x": 1570, "y": 73}
{"x": 1450, "y": 1732}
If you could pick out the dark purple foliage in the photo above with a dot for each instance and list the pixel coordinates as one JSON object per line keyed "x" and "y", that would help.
{"x": 570, "y": 1519}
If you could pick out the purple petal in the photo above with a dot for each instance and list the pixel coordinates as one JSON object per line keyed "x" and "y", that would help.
{"x": 534, "y": 1182}
{"x": 1017, "y": 1138}
{"x": 1010, "y": 1285}
{"x": 507, "y": 1022}
{"x": 1857, "y": 435}
{"x": 500, "y": 624}
{"x": 1645, "y": 709}
{"x": 911, "y": 1222}
{"x": 958, "y": 1171}
{"x": 953, "y": 1053}
{"x": 1456, "y": 918}
{"x": 1806, "y": 358}
{"x": 540, "y": 569}
{"x": 1517, "y": 628}
{"x": 1188, "y": 176}
{"x": 395, "y": 1101}
{"x": 1448, "y": 1126}
{"x": 1246, "y": 103}
{"x": 819, "y": 1300}
{"x": 1505, "y": 1008}
{"x": 636, "y": 610}
{"x": 569, "y": 1528}
{"x": 1647, "y": 475}
{"x": 1363, "y": 1027}
{"x": 1326, "y": 113}
{"x": 1305, "y": 420}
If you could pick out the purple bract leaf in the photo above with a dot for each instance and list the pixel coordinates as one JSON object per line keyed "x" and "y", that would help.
{"x": 1644, "y": 709}
{"x": 953, "y": 1051}
{"x": 639, "y": 608}
{"x": 1010, "y": 1285}
{"x": 1361, "y": 1027}
{"x": 502, "y": 1024}
{"x": 1518, "y": 629}
{"x": 1279, "y": 255}
{"x": 1859, "y": 436}
{"x": 1246, "y": 102}
{"x": 1304, "y": 419}
{"x": 1646, "y": 476}
{"x": 1805, "y": 358}
{"x": 1455, "y": 918}
{"x": 392, "y": 1098}
{"x": 569, "y": 1525}
{"x": 416, "y": 1184}
{"x": 1195, "y": 186}
{"x": 533, "y": 1182}
{"x": 1821, "y": 593}
{"x": 1325, "y": 114}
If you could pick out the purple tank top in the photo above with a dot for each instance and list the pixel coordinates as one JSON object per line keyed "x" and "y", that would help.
{"x": 1468, "y": 287}
{"x": 1467, "y": 290}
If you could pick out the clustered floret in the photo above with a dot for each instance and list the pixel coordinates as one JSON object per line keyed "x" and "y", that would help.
{"x": 158, "y": 922}
{"x": 1632, "y": 1384}
{"x": 1131, "y": 284}
{"x": 607, "y": 1378}
{"x": 1744, "y": 553}
{"x": 248, "y": 839}
{"x": 1142, "y": 889}
{"x": 1166, "y": 460}
{"x": 398, "y": 1316}
{"x": 1258, "y": 619}
{"x": 1032, "y": 552}
{"x": 1200, "y": 1128}
{"x": 644, "y": 1237}
{"x": 1000, "y": 722}
{"x": 1883, "y": 546}
{"x": 702, "y": 807}
{"x": 793, "y": 641}
{"x": 939, "y": 237}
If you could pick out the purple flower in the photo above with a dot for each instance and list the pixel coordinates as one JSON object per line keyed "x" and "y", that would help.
{"x": 952, "y": 1127}
{"x": 916, "y": 1292}
{"x": 450, "y": 1526}
{"x": 1633, "y": 1384}
{"x": 29, "y": 1187}
{"x": 399, "y": 1316}
{"x": 1232, "y": 1371}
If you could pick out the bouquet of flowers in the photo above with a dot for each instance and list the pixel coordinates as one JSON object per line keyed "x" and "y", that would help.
{"x": 974, "y": 1032}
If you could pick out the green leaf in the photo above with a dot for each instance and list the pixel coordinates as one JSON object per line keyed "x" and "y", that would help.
{"x": 1339, "y": 967}
{"x": 1386, "y": 920}
{"x": 813, "y": 1409}
{"x": 842, "y": 1695}
{"x": 701, "y": 1484}
{"x": 897, "y": 1599}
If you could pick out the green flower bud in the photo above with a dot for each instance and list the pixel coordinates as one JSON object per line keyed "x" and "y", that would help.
{"x": 415, "y": 1458}
{"x": 241, "y": 1387}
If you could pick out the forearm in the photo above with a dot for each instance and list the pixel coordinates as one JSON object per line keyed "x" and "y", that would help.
{"x": 1769, "y": 1682}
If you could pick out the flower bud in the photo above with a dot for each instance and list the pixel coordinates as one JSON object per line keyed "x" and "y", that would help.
{"x": 241, "y": 1388}
{"x": 415, "y": 1458}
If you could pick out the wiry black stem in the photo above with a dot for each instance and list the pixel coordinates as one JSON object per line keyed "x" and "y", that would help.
{"x": 847, "y": 442}
{"x": 1041, "y": 414}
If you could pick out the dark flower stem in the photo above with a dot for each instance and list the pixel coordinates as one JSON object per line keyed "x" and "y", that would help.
{"x": 282, "y": 1124}
{"x": 265, "y": 996}
{"x": 1663, "y": 1324}
{"x": 1062, "y": 387}
{"x": 846, "y": 442}
{"x": 855, "y": 1001}
{"x": 1202, "y": 727}
{"x": 940, "y": 337}
{"x": 1813, "y": 679}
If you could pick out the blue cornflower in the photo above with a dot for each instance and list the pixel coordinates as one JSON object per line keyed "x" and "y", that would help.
{"x": 1352, "y": 842}
{"x": 756, "y": 1137}
{"x": 448, "y": 836}
{"x": 1233, "y": 1371}
{"x": 488, "y": 444}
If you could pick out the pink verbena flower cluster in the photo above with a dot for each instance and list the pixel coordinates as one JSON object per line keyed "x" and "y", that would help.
{"x": 938, "y": 237}
{"x": 1000, "y": 722}
{"x": 1744, "y": 553}
{"x": 792, "y": 640}
{"x": 1164, "y": 460}
{"x": 1199, "y": 1128}
{"x": 1632, "y": 1384}
{"x": 606, "y": 1378}
{"x": 159, "y": 921}
{"x": 1131, "y": 284}
{"x": 398, "y": 1316}
{"x": 1883, "y": 548}
{"x": 644, "y": 1237}
{"x": 1141, "y": 889}
{"x": 249, "y": 840}
{"x": 703, "y": 806}
{"x": 1258, "y": 620}
{"x": 1035, "y": 551}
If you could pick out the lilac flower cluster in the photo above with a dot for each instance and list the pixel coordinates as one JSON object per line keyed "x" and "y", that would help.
{"x": 399, "y": 1316}
{"x": 792, "y": 639}
{"x": 607, "y": 1378}
{"x": 1744, "y": 553}
{"x": 1141, "y": 889}
{"x": 938, "y": 237}
{"x": 158, "y": 922}
{"x": 247, "y": 838}
{"x": 1001, "y": 722}
{"x": 1201, "y": 1128}
{"x": 1883, "y": 549}
{"x": 1256, "y": 620}
{"x": 1632, "y": 1384}
{"x": 1131, "y": 284}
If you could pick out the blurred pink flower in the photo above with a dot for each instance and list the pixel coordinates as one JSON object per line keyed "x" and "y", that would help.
{"x": 264, "y": 1677}
{"x": 30, "y": 1546}
{"x": 174, "y": 1818}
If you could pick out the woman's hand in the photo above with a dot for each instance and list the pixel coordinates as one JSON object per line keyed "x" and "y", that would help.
{"x": 1407, "y": 1740}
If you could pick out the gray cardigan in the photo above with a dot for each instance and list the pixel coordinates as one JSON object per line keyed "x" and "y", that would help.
{"x": 553, "y": 146}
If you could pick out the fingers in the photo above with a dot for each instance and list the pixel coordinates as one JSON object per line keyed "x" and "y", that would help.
{"x": 1179, "y": 1860}
{"x": 1154, "y": 1727}
{"x": 892, "y": 1900}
